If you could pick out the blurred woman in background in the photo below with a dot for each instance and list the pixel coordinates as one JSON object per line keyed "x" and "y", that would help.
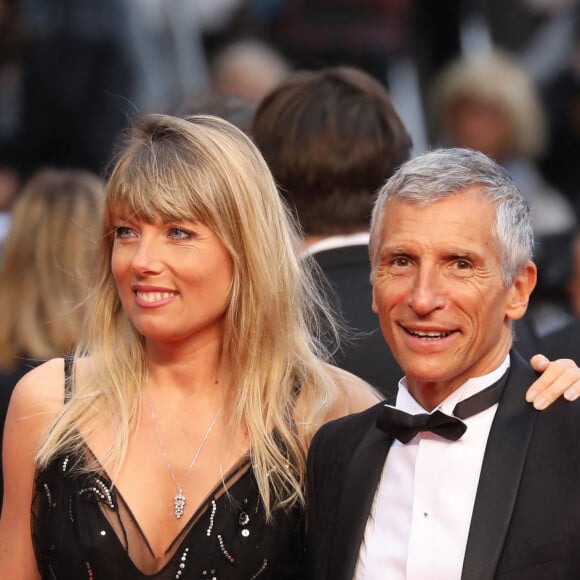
{"x": 46, "y": 271}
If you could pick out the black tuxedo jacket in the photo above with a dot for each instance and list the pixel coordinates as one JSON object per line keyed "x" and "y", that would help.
{"x": 526, "y": 518}
{"x": 366, "y": 355}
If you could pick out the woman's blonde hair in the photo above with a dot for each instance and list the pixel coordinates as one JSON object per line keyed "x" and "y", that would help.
{"x": 203, "y": 168}
{"x": 47, "y": 264}
{"x": 497, "y": 78}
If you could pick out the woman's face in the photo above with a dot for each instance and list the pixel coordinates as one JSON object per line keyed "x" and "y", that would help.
{"x": 481, "y": 125}
{"x": 173, "y": 279}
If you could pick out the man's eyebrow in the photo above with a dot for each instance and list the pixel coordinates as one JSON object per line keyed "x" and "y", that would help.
{"x": 387, "y": 251}
{"x": 464, "y": 253}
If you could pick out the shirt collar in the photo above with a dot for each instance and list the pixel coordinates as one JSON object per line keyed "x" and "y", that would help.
{"x": 333, "y": 242}
{"x": 406, "y": 402}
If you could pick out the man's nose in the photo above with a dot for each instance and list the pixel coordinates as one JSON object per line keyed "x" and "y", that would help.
{"x": 427, "y": 293}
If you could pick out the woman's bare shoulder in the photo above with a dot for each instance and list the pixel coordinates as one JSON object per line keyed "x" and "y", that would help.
{"x": 40, "y": 392}
{"x": 36, "y": 401}
{"x": 355, "y": 394}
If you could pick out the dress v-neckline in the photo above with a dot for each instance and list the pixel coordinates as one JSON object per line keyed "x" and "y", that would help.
{"x": 236, "y": 472}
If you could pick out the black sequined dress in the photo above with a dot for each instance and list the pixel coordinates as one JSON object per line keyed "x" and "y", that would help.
{"x": 82, "y": 529}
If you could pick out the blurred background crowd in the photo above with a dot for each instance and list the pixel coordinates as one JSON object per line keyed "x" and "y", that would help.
{"x": 495, "y": 75}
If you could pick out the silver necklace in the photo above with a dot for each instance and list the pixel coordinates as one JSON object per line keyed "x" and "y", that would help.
{"x": 179, "y": 500}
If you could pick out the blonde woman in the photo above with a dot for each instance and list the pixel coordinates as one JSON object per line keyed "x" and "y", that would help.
{"x": 488, "y": 102}
{"x": 47, "y": 264}
{"x": 46, "y": 271}
{"x": 180, "y": 450}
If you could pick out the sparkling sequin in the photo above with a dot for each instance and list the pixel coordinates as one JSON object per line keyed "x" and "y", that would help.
{"x": 101, "y": 491}
{"x": 182, "y": 563}
{"x": 70, "y": 509}
{"x": 224, "y": 550}
{"x": 211, "y": 518}
{"x": 261, "y": 570}
{"x": 240, "y": 536}
{"x": 48, "y": 494}
{"x": 65, "y": 463}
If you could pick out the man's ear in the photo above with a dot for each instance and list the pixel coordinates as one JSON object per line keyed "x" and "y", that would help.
{"x": 520, "y": 291}
{"x": 374, "y": 303}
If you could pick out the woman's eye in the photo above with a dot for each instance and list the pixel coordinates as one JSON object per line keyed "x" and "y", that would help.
{"x": 123, "y": 232}
{"x": 180, "y": 234}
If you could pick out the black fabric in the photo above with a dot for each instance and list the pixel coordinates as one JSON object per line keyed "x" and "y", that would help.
{"x": 83, "y": 529}
{"x": 526, "y": 517}
{"x": 404, "y": 426}
{"x": 77, "y": 84}
{"x": 481, "y": 401}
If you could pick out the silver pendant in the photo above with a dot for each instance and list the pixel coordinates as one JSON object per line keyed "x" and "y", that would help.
{"x": 179, "y": 504}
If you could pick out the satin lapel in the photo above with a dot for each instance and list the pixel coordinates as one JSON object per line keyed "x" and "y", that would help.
{"x": 501, "y": 472}
{"x": 357, "y": 497}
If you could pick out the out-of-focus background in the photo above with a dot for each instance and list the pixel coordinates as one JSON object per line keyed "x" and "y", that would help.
{"x": 499, "y": 75}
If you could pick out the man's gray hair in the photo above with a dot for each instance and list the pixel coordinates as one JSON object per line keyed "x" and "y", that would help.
{"x": 442, "y": 173}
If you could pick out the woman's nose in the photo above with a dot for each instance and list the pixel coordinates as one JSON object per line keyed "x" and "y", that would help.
{"x": 147, "y": 257}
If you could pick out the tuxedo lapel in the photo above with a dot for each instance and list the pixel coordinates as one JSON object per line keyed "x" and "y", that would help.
{"x": 359, "y": 489}
{"x": 501, "y": 472}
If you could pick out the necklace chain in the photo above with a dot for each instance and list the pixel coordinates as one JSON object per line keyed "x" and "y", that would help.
{"x": 180, "y": 499}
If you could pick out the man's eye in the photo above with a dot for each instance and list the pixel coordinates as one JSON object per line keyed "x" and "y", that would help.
{"x": 462, "y": 264}
{"x": 401, "y": 261}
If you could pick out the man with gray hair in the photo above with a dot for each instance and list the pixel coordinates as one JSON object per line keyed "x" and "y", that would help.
{"x": 457, "y": 477}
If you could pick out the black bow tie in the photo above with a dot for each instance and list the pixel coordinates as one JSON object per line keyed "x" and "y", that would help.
{"x": 404, "y": 426}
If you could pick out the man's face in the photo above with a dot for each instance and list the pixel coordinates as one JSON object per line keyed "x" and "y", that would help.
{"x": 443, "y": 307}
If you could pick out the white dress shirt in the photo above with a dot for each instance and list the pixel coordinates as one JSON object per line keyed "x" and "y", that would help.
{"x": 419, "y": 521}
{"x": 335, "y": 242}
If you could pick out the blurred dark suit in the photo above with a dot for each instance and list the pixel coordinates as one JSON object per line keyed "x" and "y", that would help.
{"x": 563, "y": 343}
{"x": 526, "y": 339}
{"x": 366, "y": 354}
